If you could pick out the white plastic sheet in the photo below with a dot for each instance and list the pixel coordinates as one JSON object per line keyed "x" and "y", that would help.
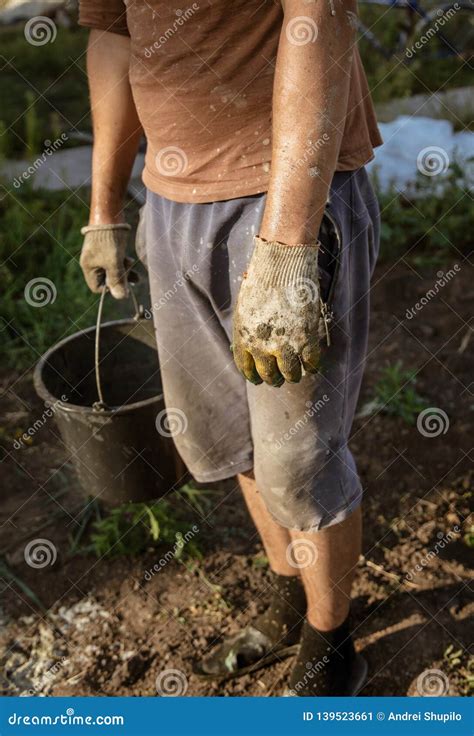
{"x": 418, "y": 144}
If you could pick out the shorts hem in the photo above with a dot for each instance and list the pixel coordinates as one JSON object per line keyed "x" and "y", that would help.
{"x": 342, "y": 514}
{"x": 325, "y": 521}
{"x": 225, "y": 472}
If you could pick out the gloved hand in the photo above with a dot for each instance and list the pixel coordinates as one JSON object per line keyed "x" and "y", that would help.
{"x": 276, "y": 318}
{"x": 103, "y": 259}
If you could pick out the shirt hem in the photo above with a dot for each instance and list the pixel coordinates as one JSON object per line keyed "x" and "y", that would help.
{"x": 205, "y": 193}
{"x": 192, "y": 194}
{"x": 105, "y": 27}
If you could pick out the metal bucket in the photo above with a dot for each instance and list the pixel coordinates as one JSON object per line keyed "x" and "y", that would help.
{"x": 105, "y": 387}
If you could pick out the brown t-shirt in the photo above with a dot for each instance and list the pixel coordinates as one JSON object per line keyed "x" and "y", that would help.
{"x": 202, "y": 81}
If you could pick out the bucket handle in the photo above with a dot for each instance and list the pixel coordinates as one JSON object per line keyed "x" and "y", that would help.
{"x": 101, "y": 405}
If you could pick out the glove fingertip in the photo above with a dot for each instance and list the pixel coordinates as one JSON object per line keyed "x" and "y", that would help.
{"x": 245, "y": 363}
{"x": 119, "y": 292}
{"x": 94, "y": 283}
{"x": 310, "y": 357}
{"x": 289, "y": 365}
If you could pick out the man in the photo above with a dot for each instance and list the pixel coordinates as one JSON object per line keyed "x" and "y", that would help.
{"x": 259, "y": 213}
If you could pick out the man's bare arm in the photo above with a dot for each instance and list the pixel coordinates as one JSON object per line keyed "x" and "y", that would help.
{"x": 309, "y": 109}
{"x": 117, "y": 132}
{"x": 116, "y": 127}
{"x": 277, "y": 314}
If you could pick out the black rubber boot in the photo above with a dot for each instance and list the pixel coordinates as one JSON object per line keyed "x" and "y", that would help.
{"x": 273, "y": 635}
{"x": 327, "y": 664}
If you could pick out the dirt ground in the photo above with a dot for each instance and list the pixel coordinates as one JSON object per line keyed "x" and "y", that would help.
{"x": 109, "y": 631}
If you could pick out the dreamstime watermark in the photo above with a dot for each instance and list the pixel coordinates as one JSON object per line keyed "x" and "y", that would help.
{"x": 432, "y": 161}
{"x": 171, "y": 161}
{"x": 443, "y": 540}
{"x": 313, "y": 147}
{"x": 40, "y": 553}
{"x": 182, "y": 16}
{"x": 312, "y": 669}
{"x": 443, "y": 17}
{"x": 40, "y": 292}
{"x": 69, "y": 718}
{"x": 171, "y": 683}
{"x": 432, "y": 684}
{"x": 312, "y": 409}
{"x": 171, "y": 421}
{"x": 303, "y": 292}
{"x": 47, "y": 678}
{"x": 174, "y": 553}
{"x": 301, "y": 30}
{"x": 50, "y": 148}
{"x": 24, "y": 439}
{"x": 181, "y": 278}
{"x": 40, "y": 30}
{"x": 441, "y": 281}
{"x": 432, "y": 422}
{"x": 301, "y": 553}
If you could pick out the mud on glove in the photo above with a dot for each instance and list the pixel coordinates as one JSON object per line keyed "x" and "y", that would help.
{"x": 276, "y": 318}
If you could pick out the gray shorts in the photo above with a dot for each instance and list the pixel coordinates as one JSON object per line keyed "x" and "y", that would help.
{"x": 294, "y": 437}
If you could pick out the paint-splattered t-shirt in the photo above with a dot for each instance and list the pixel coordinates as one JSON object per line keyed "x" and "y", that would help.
{"x": 202, "y": 81}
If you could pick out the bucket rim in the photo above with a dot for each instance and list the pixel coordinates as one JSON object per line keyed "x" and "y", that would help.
{"x": 47, "y": 396}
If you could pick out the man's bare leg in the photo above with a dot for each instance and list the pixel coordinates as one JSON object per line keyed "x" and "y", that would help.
{"x": 323, "y": 585}
{"x": 332, "y": 554}
{"x": 278, "y": 628}
{"x": 275, "y": 538}
{"x": 328, "y": 578}
{"x": 326, "y": 646}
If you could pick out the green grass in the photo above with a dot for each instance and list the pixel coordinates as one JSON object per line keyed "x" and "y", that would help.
{"x": 392, "y": 79}
{"x": 469, "y": 537}
{"x": 33, "y": 125}
{"x": 41, "y": 239}
{"x": 438, "y": 223}
{"x": 130, "y": 529}
{"x": 395, "y": 395}
{"x": 49, "y": 79}
{"x": 459, "y": 665}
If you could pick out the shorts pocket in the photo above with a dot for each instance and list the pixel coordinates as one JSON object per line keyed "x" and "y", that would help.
{"x": 330, "y": 238}
{"x": 329, "y": 255}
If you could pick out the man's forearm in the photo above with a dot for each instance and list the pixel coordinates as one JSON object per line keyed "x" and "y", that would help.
{"x": 309, "y": 110}
{"x": 116, "y": 127}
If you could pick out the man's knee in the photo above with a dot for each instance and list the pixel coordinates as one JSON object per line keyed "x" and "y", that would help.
{"x": 310, "y": 508}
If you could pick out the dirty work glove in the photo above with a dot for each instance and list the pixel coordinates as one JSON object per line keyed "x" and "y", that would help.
{"x": 277, "y": 314}
{"x": 103, "y": 259}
